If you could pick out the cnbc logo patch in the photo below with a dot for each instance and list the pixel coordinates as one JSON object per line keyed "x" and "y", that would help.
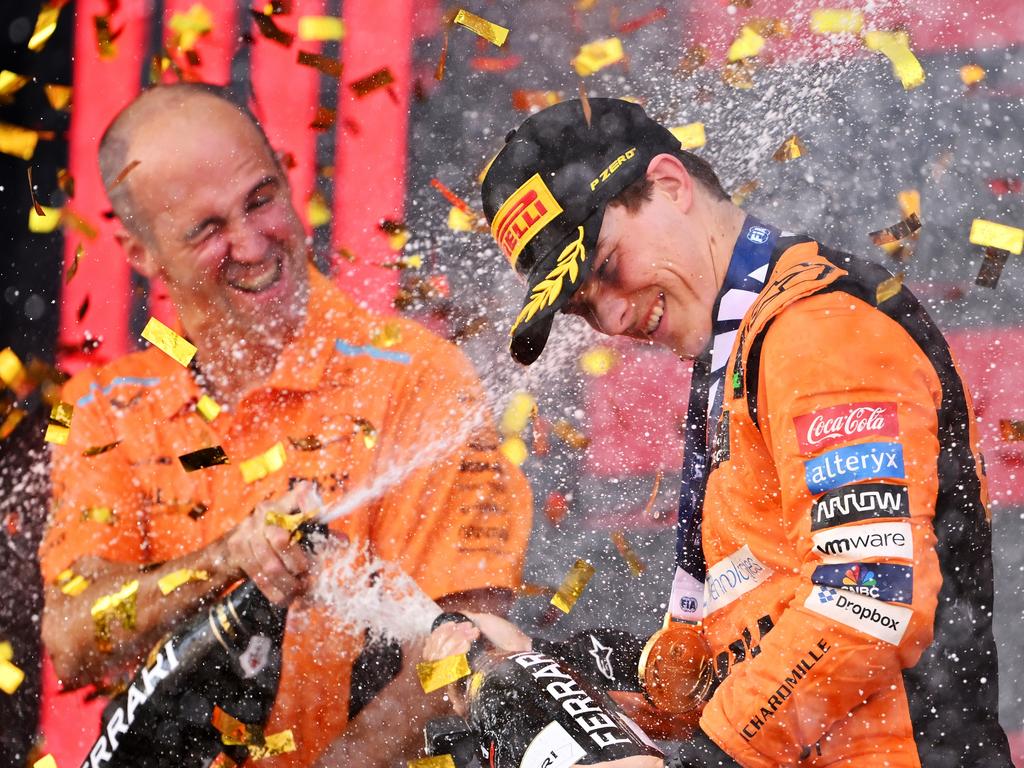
{"x": 891, "y": 582}
{"x": 858, "y": 579}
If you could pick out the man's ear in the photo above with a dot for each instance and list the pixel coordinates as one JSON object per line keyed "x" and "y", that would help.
{"x": 671, "y": 177}
{"x": 139, "y": 257}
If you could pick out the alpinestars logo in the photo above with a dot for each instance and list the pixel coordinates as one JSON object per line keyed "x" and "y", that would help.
{"x": 603, "y": 658}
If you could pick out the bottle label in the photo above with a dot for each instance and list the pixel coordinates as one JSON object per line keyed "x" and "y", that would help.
{"x": 256, "y": 655}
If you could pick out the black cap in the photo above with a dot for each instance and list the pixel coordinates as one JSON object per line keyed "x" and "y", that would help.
{"x": 545, "y": 195}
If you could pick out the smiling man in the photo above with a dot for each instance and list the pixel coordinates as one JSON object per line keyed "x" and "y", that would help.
{"x": 834, "y": 543}
{"x": 297, "y": 369}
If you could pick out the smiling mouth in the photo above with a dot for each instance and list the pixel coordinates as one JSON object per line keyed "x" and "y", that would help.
{"x": 654, "y": 316}
{"x": 259, "y": 278}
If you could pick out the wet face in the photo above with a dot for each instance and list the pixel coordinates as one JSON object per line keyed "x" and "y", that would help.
{"x": 223, "y": 234}
{"x": 654, "y": 277}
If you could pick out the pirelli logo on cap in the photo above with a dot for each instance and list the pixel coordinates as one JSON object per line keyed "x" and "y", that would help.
{"x": 526, "y": 212}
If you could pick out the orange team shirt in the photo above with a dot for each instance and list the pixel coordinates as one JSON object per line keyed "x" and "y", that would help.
{"x": 460, "y": 521}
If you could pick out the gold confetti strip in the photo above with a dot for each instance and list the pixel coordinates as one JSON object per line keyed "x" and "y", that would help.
{"x": 12, "y": 372}
{"x": 514, "y": 449}
{"x": 571, "y": 436}
{"x": 460, "y": 221}
{"x": 46, "y": 24}
{"x": 73, "y": 269}
{"x": 525, "y": 101}
{"x": 105, "y": 37}
{"x": 289, "y": 521}
{"x": 18, "y": 141}
{"x": 438, "y": 674}
{"x": 71, "y": 583}
{"x": 996, "y": 235}
{"x": 59, "y": 428}
{"x": 517, "y": 413}
{"x": 47, "y": 761}
{"x": 595, "y": 56}
{"x": 909, "y": 227}
{"x": 274, "y": 744}
{"x": 325, "y": 64}
{"x": 368, "y": 431}
{"x": 97, "y": 450}
{"x": 11, "y": 676}
{"x": 388, "y": 336}
{"x": 696, "y": 56}
{"x": 321, "y": 28}
{"x": 488, "y": 30}
{"x": 528, "y": 589}
{"x": 375, "y": 80}
{"x": 1011, "y": 430}
{"x": 895, "y": 46}
{"x": 190, "y": 26}
{"x": 747, "y": 45}
{"x": 44, "y": 220}
{"x": 266, "y": 463}
{"x": 10, "y": 423}
{"x": 98, "y": 515}
{"x": 179, "y": 578}
{"x": 991, "y": 268}
{"x": 598, "y": 361}
{"x": 203, "y": 458}
{"x": 207, "y": 407}
{"x": 223, "y": 761}
{"x": 910, "y": 202}
{"x": 628, "y": 553}
{"x": 971, "y": 74}
{"x": 572, "y": 586}
{"x": 270, "y": 30}
{"x": 836, "y": 21}
{"x": 888, "y": 288}
{"x": 168, "y": 342}
{"x": 649, "y": 510}
{"x": 119, "y": 607}
{"x": 739, "y": 197}
{"x": 306, "y": 443}
{"x": 437, "y": 761}
{"x": 119, "y": 179}
{"x": 324, "y": 119}
{"x": 317, "y": 212}
{"x": 11, "y": 82}
{"x": 791, "y": 149}
{"x": 690, "y": 136}
{"x": 233, "y": 731}
{"x": 585, "y": 103}
{"x": 739, "y": 74}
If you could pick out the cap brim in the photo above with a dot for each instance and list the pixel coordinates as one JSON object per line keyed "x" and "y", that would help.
{"x": 552, "y": 282}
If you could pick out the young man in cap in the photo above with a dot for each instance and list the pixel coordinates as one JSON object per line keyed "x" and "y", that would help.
{"x": 834, "y": 543}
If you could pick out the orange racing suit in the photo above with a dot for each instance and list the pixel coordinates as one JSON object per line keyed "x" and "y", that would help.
{"x": 849, "y": 586}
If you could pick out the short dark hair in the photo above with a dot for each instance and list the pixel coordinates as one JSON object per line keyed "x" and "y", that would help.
{"x": 640, "y": 191}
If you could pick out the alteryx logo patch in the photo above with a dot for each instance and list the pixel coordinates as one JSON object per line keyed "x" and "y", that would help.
{"x": 868, "y": 461}
{"x": 882, "y": 581}
{"x": 853, "y": 503}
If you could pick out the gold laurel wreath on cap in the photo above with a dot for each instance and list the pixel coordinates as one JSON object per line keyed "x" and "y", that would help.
{"x": 548, "y": 289}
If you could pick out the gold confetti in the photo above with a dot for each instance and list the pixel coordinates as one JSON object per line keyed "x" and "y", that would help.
{"x": 306, "y": 443}
{"x": 168, "y": 342}
{"x": 73, "y": 269}
{"x": 436, "y": 761}
{"x": 368, "y": 431}
{"x": 44, "y": 221}
{"x": 324, "y": 64}
{"x": 895, "y": 46}
{"x": 991, "y": 268}
{"x": 32, "y": 193}
{"x": 18, "y": 141}
{"x": 207, "y": 407}
{"x": 11, "y": 677}
{"x": 909, "y": 227}
{"x": 96, "y": 450}
{"x": 71, "y": 583}
{"x": 691, "y": 136}
{"x": 274, "y": 744}
{"x": 791, "y": 149}
{"x": 105, "y": 37}
{"x": 266, "y": 463}
{"x": 233, "y": 731}
{"x": 119, "y": 607}
{"x": 398, "y": 235}
{"x": 46, "y": 24}
{"x": 996, "y": 235}
{"x": 597, "y": 55}
{"x": 572, "y": 586}
{"x": 11, "y": 82}
{"x": 59, "y": 428}
{"x": 746, "y": 45}
{"x": 488, "y": 30}
{"x": 98, "y": 515}
{"x": 888, "y": 288}
{"x": 270, "y": 30}
{"x": 66, "y": 182}
{"x": 525, "y": 101}
{"x": 190, "y": 26}
{"x": 585, "y": 103}
{"x": 203, "y": 458}
{"x": 11, "y": 422}
{"x": 223, "y": 761}
{"x": 289, "y": 521}
{"x": 571, "y": 436}
{"x": 1011, "y": 430}
{"x": 739, "y": 197}
{"x": 598, "y": 361}
{"x": 460, "y": 221}
{"x": 375, "y": 80}
{"x": 514, "y": 449}
{"x": 179, "y": 578}
{"x": 12, "y": 372}
{"x": 438, "y": 674}
{"x": 119, "y": 179}
{"x": 47, "y": 761}
{"x": 321, "y": 28}
{"x": 910, "y": 202}
{"x": 836, "y": 21}
{"x": 696, "y": 56}
{"x": 520, "y": 408}
{"x": 649, "y": 510}
{"x": 317, "y": 212}
{"x": 324, "y": 119}
{"x": 628, "y": 553}
{"x": 769, "y": 27}
{"x": 739, "y": 74}
{"x": 388, "y": 336}
{"x": 971, "y": 74}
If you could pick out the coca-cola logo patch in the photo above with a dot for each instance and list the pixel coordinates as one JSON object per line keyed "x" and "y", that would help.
{"x": 818, "y": 430}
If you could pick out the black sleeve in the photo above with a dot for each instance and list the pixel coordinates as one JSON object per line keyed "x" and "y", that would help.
{"x": 607, "y": 658}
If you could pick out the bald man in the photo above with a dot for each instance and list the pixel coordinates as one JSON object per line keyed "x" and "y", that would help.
{"x": 295, "y": 366}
